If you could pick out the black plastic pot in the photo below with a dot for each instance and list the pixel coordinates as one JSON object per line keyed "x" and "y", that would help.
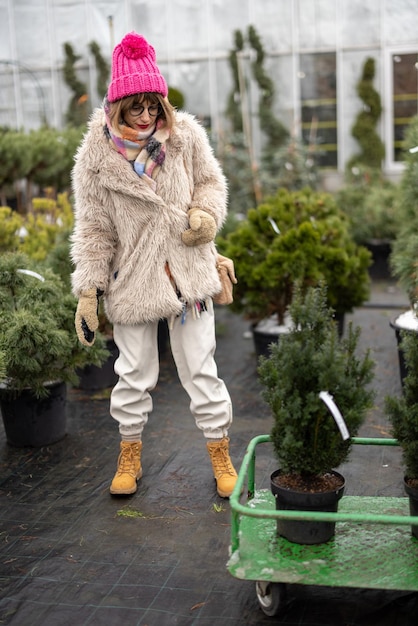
{"x": 34, "y": 422}
{"x": 412, "y": 494}
{"x": 403, "y": 371}
{"x": 263, "y": 340}
{"x": 92, "y": 377}
{"x": 301, "y": 531}
{"x": 380, "y": 251}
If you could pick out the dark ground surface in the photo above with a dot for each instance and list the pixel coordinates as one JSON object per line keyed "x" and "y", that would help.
{"x": 72, "y": 554}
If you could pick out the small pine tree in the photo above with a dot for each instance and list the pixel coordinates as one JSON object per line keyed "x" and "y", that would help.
{"x": 307, "y": 360}
{"x": 176, "y": 98}
{"x": 37, "y": 334}
{"x": 364, "y": 130}
{"x": 233, "y": 109}
{"x": 403, "y": 258}
{"x": 236, "y": 165}
{"x": 408, "y": 200}
{"x": 292, "y": 166}
{"x": 243, "y": 174}
{"x": 295, "y": 236}
{"x": 102, "y": 67}
{"x": 78, "y": 109}
{"x": 276, "y": 134}
{"x": 403, "y": 411}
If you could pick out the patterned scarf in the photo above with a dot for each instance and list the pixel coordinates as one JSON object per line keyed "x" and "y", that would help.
{"x": 145, "y": 151}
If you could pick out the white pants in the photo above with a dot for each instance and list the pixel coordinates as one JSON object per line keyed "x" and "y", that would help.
{"x": 193, "y": 346}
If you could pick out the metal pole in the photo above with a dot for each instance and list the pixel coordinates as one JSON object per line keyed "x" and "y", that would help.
{"x": 111, "y": 33}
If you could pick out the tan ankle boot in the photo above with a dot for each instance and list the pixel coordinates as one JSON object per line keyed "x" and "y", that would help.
{"x": 129, "y": 468}
{"x": 223, "y": 470}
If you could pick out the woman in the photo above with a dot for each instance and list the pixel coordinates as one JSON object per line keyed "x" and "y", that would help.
{"x": 149, "y": 199}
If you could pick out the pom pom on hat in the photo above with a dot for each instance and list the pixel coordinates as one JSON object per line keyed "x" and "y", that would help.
{"x": 134, "y": 69}
{"x": 135, "y": 46}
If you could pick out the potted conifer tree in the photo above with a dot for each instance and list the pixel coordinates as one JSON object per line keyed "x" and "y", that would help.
{"x": 294, "y": 236}
{"x": 310, "y": 371}
{"x": 41, "y": 351}
{"x": 370, "y": 203}
{"x": 403, "y": 414}
{"x": 403, "y": 257}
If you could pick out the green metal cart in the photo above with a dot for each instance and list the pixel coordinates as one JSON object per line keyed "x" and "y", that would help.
{"x": 373, "y": 546}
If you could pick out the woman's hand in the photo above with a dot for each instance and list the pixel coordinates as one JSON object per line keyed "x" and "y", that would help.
{"x": 202, "y": 228}
{"x": 86, "y": 317}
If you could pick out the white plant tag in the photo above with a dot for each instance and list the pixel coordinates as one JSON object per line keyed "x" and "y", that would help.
{"x": 30, "y": 273}
{"x": 335, "y": 412}
{"x": 274, "y": 226}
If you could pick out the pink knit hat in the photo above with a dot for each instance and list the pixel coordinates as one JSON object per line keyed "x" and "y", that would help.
{"x": 134, "y": 69}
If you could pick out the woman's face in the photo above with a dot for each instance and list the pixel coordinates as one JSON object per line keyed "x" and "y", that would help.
{"x": 142, "y": 116}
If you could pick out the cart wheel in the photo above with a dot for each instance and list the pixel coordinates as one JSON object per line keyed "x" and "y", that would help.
{"x": 271, "y": 596}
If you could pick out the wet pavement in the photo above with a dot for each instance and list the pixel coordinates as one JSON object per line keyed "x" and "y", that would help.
{"x": 72, "y": 554}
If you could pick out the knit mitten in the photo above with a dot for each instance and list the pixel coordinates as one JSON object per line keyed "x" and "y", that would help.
{"x": 202, "y": 228}
{"x": 86, "y": 316}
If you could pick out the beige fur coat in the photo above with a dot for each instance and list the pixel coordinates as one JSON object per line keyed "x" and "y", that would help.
{"x": 125, "y": 233}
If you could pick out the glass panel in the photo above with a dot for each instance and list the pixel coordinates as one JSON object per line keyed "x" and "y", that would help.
{"x": 405, "y": 101}
{"x": 318, "y": 88}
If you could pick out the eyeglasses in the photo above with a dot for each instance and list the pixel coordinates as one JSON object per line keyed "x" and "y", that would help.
{"x": 137, "y": 110}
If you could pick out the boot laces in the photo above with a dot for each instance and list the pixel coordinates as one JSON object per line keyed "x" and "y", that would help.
{"x": 221, "y": 462}
{"x": 126, "y": 461}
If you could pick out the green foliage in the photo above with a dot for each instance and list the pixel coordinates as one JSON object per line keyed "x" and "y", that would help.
{"x": 233, "y": 109}
{"x": 59, "y": 259}
{"x": 10, "y": 224}
{"x": 293, "y": 166}
{"x": 364, "y": 130}
{"x": 176, "y": 98}
{"x": 78, "y": 109}
{"x": 44, "y": 156}
{"x": 42, "y": 226}
{"x": 274, "y": 130}
{"x": 371, "y": 204}
{"x": 409, "y": 182}
{"x": 236, "y": 166}
{"x": 2, "y": 365}
{"x": 284, "y": 162}
{"x": 69, "y": 138}
{"x": 15, "y": 160}
{"x": 404, "y": 264}
{"x": 308, "y": 360}
{"x": 405, "y": 248}
{"x": 37, "y": 335}
{"x": 298, "y": 236}
{"x": 403, "y": 411}
{"x": 103, "y": 68}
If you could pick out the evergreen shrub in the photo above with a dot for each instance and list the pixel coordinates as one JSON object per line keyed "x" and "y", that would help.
{"x": 309, "y": 359}
{"x": 295, "y": 236}
{"x": 37, "y": 335}
{"x": 402, "y": 411}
